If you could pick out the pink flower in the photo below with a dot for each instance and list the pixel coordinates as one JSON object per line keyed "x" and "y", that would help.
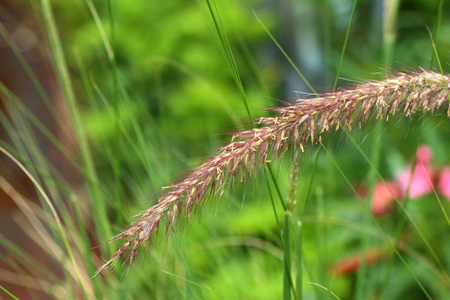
{"x": 421, "y": 182}
{"x": 384, "y": 196}
{"x": 424, "y": 178}
{"x": 443, "y": 185}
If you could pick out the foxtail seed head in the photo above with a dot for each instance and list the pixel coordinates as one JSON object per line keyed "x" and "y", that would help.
{"x": 299, "y": 123}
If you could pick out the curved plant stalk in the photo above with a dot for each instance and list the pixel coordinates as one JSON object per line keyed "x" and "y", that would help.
{"x": 59, "y": 224}
{"x": 300, "y": 123}
{"x": 291, "y": 201}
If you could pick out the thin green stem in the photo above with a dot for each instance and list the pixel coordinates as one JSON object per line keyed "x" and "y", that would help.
{"x": 291, "y": 200}
{"x": 320, "y": 236}
{"x": 299, "y": 279}
{"x": 311, "y": 182}
{"x": 327, "y": 41}
{"x": 8, "y": 293}
{"x": 69, "y": 95}
{"x": 277, "y": 188}
{"x": 228, "y": 53}
{"x": 345, "y": 45}
{"x": 287, "y": 287}
{"x": 389, "y": 31}
{"x": 326, "y": 289}
{"x": 371, "y": 182}
{"x": 108, "y": 45}
{"x": 272, "y": 201}
{"x": 435, "y": 51}
{"x": 437, "y": 30}
{"x": 286, "y": 56}
{"x": 398, "y": 231}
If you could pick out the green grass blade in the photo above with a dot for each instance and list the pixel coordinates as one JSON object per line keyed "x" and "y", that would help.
{"x": 345, "y": 45}
{"x": 69, "y": 95}
{"x": 228, "y": 53}
{"x": 326, "y": 289}
{"x": 55, "y": 215}
{"x": 299, "y": 279}
{"x": 286, "y": 56}
{"x": 8, "y": 293}
{"x": 437, "y": 31}
{"x": 389, "y": 31}
{"x": 287, "y": 287}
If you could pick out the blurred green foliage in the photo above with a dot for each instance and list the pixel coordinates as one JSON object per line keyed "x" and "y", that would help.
{"x": 169, "y": 65}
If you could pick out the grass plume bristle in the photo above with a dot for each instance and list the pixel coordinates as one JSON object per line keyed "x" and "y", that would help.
{"x": 300, "y": 123}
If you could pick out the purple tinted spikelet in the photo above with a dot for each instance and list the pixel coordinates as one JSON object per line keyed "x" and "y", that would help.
{"x": 298, "y": 123}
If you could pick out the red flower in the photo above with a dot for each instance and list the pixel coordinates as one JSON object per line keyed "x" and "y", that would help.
{"x": 384, "y": 197}
{"x": 353, "y": 262}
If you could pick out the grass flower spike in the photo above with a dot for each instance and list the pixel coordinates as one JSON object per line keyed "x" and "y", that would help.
{"x": 300, "y": 123}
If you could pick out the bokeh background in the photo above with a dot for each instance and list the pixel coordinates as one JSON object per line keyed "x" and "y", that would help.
{"x": 151, "y": 94}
